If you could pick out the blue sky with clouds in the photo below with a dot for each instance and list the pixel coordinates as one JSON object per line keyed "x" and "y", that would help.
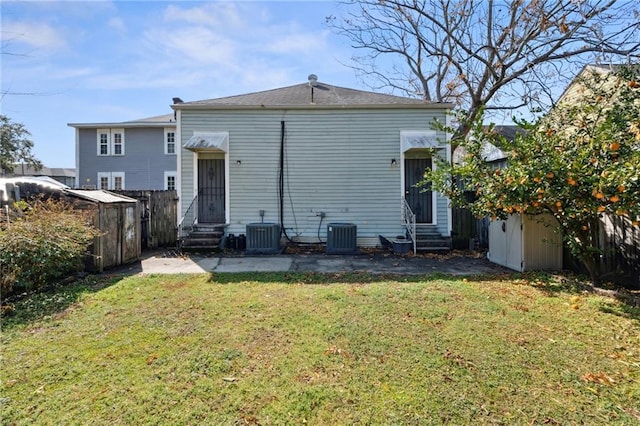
{"x": 97, "y": 61}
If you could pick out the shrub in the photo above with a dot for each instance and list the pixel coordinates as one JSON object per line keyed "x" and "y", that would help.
{"x": 46, "y": 243}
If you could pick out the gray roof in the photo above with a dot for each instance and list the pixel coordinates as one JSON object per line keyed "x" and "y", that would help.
{"x": 165, "y": 120}
{"x": 300, "y": 96}
{"x": 508, "y": 131}
{"x": 20, "y": 170}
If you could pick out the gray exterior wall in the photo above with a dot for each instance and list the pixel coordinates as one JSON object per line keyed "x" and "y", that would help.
{"x": 144, "y": 162}
{"x": 336, "y": 161}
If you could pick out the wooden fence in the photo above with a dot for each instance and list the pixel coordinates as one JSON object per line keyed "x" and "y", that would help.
{"x": 465, "y": 226}
{"x": 619, "y": 242}
{"x": 158, "y": 217}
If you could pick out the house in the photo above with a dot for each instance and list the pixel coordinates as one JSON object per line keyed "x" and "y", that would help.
{"x": 139, "y": 154}
{"x": 65, "y": 176}
{"x": 309, "y": 156}
{"x": 491, "y": 153}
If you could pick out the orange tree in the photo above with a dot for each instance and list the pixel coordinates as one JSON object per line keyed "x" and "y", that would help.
{"x": 578, "y": 163}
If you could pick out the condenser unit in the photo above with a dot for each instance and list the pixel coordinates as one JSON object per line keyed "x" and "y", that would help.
{"x": 341, "y": 238}
{"x": 263, "y": 238}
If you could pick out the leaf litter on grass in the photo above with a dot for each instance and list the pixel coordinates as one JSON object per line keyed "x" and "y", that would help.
{"x": 268, "y": 352}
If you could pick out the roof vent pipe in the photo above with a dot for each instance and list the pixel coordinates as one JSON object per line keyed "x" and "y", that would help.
{"x": 313, "y": 79}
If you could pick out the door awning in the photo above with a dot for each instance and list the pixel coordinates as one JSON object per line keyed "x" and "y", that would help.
{"x": 418, "y": 140}
{"x": 218, "y": 141}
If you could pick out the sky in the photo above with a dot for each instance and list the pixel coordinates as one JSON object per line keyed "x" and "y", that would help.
{"x": 111, "y": 61}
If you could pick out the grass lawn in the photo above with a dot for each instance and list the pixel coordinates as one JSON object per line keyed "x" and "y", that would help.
{"x": 336, "y": 349}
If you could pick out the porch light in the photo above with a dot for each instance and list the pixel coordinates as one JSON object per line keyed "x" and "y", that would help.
{"x": 393, "y": 162}
{"x": 239, "y": 163}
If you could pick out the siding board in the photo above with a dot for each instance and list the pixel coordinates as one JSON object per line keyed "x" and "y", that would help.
{"x": 143, "y": 164}
{"x": 336, "y": 161}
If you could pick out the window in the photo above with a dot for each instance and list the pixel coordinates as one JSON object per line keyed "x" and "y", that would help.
{"x": 118, "y": 144}
{"x": 170, "y": 181}
{"x": 169, "y": 141}
{"x": 110, "y": 142}
{"x": 103, "y": 142}
{"x": 103, "y": 179}
{"x": 118, "y": 182}
{"x": 111, "y": 180}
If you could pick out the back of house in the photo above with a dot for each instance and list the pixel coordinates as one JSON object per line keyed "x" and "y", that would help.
{"x": 309, "y": 156}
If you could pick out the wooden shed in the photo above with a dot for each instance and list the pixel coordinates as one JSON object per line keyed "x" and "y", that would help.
{"x": 118, "y": 219}
{"x": 525, "y": 243}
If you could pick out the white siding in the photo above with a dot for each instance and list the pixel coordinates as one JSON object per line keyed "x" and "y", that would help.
{"x": 336, "y": 161}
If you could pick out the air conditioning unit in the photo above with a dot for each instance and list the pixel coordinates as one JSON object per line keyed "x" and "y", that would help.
{"x": 341, "y": 238}
{"x": 263, "y": 238}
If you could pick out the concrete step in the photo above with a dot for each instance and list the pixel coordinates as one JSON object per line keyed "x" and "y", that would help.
{"x": 205, "y": 234}
{"x": 432, "y": 242}
{"x": 201, "y": 249}
{"x": 430, "y": 248}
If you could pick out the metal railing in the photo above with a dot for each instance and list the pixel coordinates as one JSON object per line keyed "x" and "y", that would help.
{"x": 409, "y": 222}
{"x": 189, "y": 219}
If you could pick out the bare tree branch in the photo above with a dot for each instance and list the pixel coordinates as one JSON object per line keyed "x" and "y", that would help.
{"x": 473, "y": 53}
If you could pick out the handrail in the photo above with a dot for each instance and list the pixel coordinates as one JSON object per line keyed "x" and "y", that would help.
{"x": 409, "y": 221}
{"x": 189, "y": 219}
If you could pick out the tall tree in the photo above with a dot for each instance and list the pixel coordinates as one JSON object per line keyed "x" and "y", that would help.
{"x": 15, "y": 145}
{"x": 579, "y": 163}
{"x": 491, "y": 55}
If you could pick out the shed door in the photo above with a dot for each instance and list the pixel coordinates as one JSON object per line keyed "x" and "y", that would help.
{"x": 211, "y": 191}
{"x": 420, "y": 202}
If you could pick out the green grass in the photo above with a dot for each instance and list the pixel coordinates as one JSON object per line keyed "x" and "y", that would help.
{"x": 322, "y": 349}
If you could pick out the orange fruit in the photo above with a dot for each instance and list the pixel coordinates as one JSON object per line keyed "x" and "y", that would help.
{"x": 599, "y": 195}
{"x": 614, "y": 146}
{"x": 614, "y": 199}
{"x": 621, "y": 188}
{"x": 634, "y": 84}
{"x": 550, "y": 175}
{"x": 601, "y": 209}
{"x": 572, "y": 182}
{"x": 558, "y": 203}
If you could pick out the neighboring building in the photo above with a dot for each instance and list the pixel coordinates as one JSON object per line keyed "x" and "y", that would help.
{"x": 138, "y": 154}
{"x": 308, "y": 155}
{"x": 576, "y": 90}
{"x": 63, "y": 175}
{"x": 491, "y": 153}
